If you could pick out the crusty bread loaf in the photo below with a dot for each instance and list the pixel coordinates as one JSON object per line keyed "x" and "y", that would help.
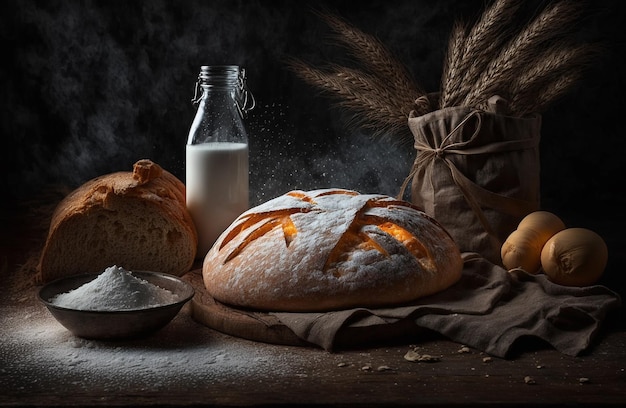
{"x": 137, "y": 220}
{"x": 330, "y": 249}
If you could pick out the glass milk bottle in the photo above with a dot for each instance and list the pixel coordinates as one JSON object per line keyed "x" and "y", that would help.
{"x": 217, "y": 152}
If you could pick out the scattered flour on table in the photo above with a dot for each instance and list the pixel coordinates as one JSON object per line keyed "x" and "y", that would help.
{"x": 38, "y": 353}
{"x": 115, "y": 289}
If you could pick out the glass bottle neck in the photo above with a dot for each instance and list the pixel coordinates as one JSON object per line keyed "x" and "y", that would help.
{"x": 220, "y": 77}
{"x": 230, "y": 78}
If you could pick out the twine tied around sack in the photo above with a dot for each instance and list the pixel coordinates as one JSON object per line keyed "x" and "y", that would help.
{"x": 475, "y": 196}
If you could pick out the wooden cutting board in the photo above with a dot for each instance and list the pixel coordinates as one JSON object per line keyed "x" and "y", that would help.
{"x": 264, "y": 327}
{"x": 250, "y": 325}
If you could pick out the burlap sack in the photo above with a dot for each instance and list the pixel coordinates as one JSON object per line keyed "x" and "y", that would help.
{"x": 476, "y": 172}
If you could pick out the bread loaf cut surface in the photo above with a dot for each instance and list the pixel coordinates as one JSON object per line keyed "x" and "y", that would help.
{"x": 137, "y": 220}
{"x": 330, "y": 249}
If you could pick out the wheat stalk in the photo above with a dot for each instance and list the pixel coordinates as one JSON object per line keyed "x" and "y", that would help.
{"x": 547, "y": 67}
{"x": 374, "y": 90}
{"x": 519, "y": 51}
{"x": 377, "y": 103}
{"x": 378, "y": 108}
{"x": 451, "y": 77}
{"x": 377, "y": 59}
{"x": 468, "y": 53}
{"x": 554, "y": 90}
{"x": 485, "y": 37}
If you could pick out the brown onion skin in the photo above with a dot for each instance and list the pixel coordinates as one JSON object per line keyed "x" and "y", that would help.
{"x": 574, "y": 257}
{"x": 522, "y": 248}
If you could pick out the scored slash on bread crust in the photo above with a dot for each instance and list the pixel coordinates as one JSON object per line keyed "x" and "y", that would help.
{"x": 137, "y": 220}
{"x": 269, "y": 222}
{"x": 330, "y": 249}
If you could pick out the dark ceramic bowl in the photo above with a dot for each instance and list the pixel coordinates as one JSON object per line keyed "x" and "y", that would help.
{"x": 120, "y": 324}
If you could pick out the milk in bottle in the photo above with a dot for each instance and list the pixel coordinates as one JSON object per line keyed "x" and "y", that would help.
{"x": 217, "y": 153}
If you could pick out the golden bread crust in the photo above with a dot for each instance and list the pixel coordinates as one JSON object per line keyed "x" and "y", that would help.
{"x": 330, "y": 249}
{"x": 112, "y": 207}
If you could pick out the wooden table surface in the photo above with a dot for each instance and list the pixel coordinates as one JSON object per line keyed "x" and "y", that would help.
{"x": 188, "y": 364}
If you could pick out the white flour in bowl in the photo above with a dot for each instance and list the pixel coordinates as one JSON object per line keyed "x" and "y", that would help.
{"x": 115, "y": 289}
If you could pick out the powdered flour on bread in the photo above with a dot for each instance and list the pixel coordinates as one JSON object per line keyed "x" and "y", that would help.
{"x": 330, "y": 249}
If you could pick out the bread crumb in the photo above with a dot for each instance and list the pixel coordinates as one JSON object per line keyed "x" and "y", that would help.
{"x": 414, "y": 356}
{"x": 529, "y": 380}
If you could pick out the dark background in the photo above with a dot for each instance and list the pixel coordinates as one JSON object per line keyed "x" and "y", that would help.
{"x": 89, "y": 87}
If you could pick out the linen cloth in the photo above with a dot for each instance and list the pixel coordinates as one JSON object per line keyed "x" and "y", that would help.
{"x": 488, "y": 309}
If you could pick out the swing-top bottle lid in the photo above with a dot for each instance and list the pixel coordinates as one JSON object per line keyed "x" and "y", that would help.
{"x": 230, "y": 77}
{"x": 222, "y": 74}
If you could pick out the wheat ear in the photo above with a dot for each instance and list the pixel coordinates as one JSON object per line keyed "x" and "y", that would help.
{"x": 554, "y": 90}
{"x": 486, "y": 36}
{"x": 380, "y": 98}
{"x": 378, "y": 108}
{"x": 376, "y": 58}
{"x": 451, "y": 77}
{"x": 518, "y": 52}
{"x": 547, "y": 67}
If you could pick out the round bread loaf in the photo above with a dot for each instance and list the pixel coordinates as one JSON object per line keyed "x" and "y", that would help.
{"x": 330, "y": 249}
{"x": 137, "y": 220}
